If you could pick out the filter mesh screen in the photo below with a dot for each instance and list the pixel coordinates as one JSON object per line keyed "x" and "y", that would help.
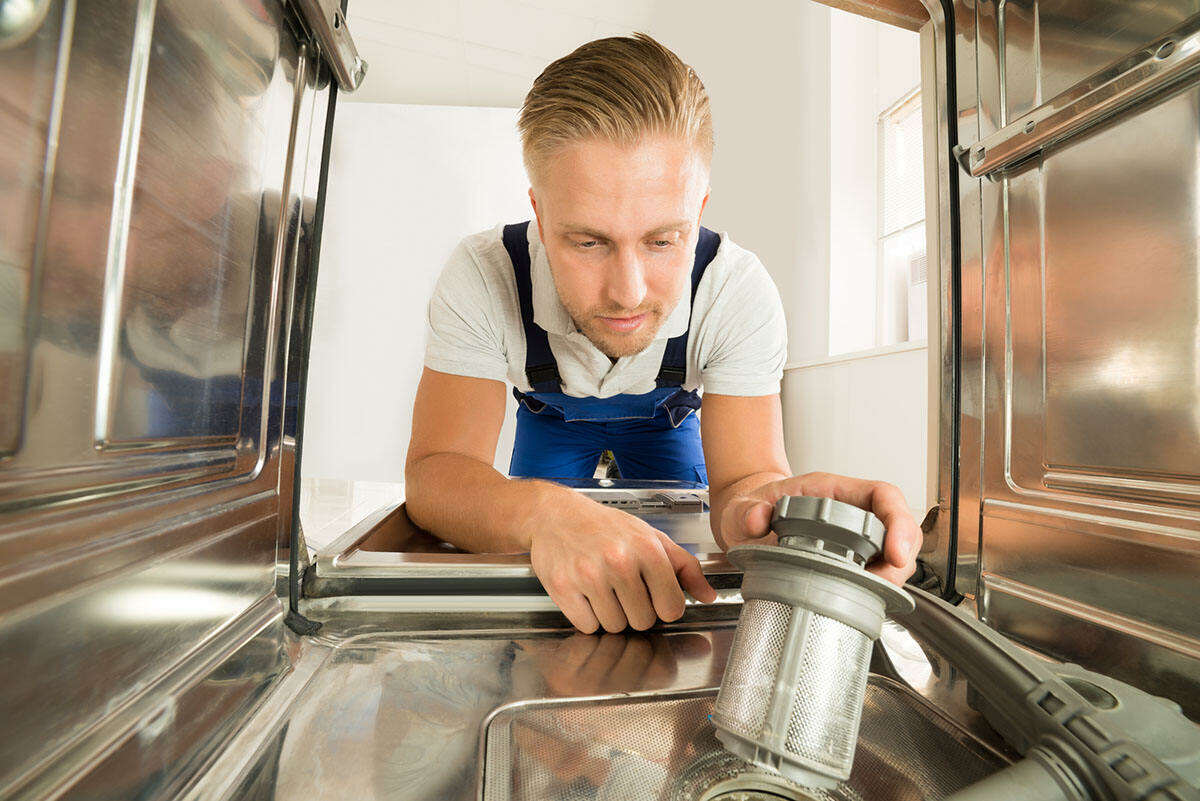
{"x": 664, "y": 750}
{"x": 749, "y": 681}
{"x": 826, "y": 705}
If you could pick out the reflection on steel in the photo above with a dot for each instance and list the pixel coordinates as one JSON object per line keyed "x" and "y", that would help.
{"x": 1080, "y": 454}
{"x": 662, "y": 747}
{"x": 325, "y": 20}
{"x": 141, "y": 201}
{"x": 386, "y": 562}
{"x": 1145, "y": 73}
{"x": 119, "y": 220}
{"x": 542, "y": 714}
{"x": 19, "y": 19}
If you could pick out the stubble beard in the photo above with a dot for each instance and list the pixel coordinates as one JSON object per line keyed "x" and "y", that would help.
{"x": 612, "y": 343}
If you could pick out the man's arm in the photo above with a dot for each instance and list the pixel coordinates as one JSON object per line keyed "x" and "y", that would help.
{"x": 748, "y": 472}
{"x": 601, "y": 566}
{"x": 451, "y": 487}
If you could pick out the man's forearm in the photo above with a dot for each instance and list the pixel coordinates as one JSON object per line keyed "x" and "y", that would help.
{"x": 720, "y": 498}
{"x": 470, "y": 504}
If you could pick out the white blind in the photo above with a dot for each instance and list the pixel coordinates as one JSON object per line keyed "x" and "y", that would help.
{"x": 903, "y": 186}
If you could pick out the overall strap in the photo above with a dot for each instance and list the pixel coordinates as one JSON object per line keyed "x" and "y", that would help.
{"x": 674, "y": 364}
{"x": 541, "y": 370}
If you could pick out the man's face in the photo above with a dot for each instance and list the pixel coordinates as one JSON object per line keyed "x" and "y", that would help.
{"x": 619, "y": 225}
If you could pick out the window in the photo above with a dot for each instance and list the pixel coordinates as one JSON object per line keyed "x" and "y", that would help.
{"x": 877, "y": 194}
{"x": 900, "y": 306}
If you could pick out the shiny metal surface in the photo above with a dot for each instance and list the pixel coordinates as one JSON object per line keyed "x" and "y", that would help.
{"x": 1140, "y": 76}
{"x": 974, "y": 121}
{"x": 156, "y": 209}
{"x": 19, "y": 19}
{"x": 662, "y": 747}
{"x": 1090, "y": 407}
{"x": 439, "y": 715}
{"x": 325, "y": 20}
{"x": 386, "y": 554}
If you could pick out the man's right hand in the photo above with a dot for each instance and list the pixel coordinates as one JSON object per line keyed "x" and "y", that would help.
{"x": 606, "y": 568}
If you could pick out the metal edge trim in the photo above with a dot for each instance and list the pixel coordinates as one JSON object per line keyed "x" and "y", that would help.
{"x": 1129, "y": 81}
{"x": 472, "y": 604}
{"x": 346, "y": 543}
{"x": 1031, "y": 513}
{"x": 535, "y": 703}
{"x": 1179, "y": 643}
{"x": 232, "y": 763}
{"x": 104, "y": 733}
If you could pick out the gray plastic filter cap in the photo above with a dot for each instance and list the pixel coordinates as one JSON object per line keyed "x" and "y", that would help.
{"x": 830, "y": 521}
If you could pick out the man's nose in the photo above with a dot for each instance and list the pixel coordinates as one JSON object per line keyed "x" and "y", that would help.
{"x": 626, "y": 286}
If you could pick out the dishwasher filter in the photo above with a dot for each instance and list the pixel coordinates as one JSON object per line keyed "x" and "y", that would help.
{"x": 792, "y": 694}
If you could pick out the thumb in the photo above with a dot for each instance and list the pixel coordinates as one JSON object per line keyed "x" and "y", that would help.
{"x": 687, "y": 570}
{"x": 745, "y": 519}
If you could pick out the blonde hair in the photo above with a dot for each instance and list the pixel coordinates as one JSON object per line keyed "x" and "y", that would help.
{"x": 618, "y": 89}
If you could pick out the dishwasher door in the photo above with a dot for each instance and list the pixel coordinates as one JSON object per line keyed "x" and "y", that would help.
{"x": 1080, "y": 455}
{"x": 387, "y": 563}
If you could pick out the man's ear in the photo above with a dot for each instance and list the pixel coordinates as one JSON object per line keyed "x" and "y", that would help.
{"x": 536, "y": 214}
{"x": 703, "y": 203}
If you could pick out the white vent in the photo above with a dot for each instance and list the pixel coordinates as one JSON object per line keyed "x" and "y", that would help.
{"x": 918, "y": 269}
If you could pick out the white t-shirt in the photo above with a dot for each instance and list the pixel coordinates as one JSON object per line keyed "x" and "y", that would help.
{"x": 737, "y": 343}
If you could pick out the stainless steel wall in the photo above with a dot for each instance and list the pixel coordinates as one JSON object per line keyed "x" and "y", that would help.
{"x": 157, "y": 192}
{"x": 1080, "y": 418}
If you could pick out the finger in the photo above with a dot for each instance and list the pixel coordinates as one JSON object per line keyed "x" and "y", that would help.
{"x": 896, "y": 575}
{"x": 607, "y": 609}
{"x": 577, "y": 609}
{"x": 745, "y": 518}
{"x": 903, "y": 538}
{"x": 635, "y": 601}
{"x": 660, "y": 579}
{"x": 688, "y": 572}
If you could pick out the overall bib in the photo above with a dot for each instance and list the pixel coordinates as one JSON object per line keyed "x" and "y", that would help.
{"x": 651, "y": 436}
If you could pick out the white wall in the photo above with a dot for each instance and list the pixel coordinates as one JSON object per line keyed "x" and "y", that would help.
{"x": 873, "y": 66}
{"x": 862, "y": 417}
{"x": 764, "y": 62}
{"x": 475, "y": 52}
{"x": 865, "y": 415}
{"x": 405, "y": 184}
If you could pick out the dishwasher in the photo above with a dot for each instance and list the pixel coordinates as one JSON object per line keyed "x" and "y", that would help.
{"x": 166, "y": 632}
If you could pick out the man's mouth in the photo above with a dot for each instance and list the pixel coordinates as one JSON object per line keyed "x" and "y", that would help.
{"x": 624, "y": 325}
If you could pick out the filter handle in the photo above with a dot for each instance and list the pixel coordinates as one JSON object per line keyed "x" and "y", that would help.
{"x": 800, "y": 521}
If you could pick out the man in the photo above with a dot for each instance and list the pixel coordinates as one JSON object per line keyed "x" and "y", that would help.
{"x": 608, "y": 314}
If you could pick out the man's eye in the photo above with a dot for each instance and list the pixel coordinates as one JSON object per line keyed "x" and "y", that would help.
{"x": 661, "y": 243}
{"x": 587, "y": 244}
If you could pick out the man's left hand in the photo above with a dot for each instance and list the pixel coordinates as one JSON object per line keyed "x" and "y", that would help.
{"x": 747, "y": 519}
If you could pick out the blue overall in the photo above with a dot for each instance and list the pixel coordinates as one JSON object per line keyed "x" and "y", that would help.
{"x": 651, "y": 436}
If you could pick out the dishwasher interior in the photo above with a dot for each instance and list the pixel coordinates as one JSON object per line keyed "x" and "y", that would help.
{"x": 486, "y": 695}
{"x": 555, "y": 715}
{"x": 165, "y": 632}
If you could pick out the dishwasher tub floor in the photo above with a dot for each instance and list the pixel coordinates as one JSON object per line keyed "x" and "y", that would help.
{"x": 511, "y": 716}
